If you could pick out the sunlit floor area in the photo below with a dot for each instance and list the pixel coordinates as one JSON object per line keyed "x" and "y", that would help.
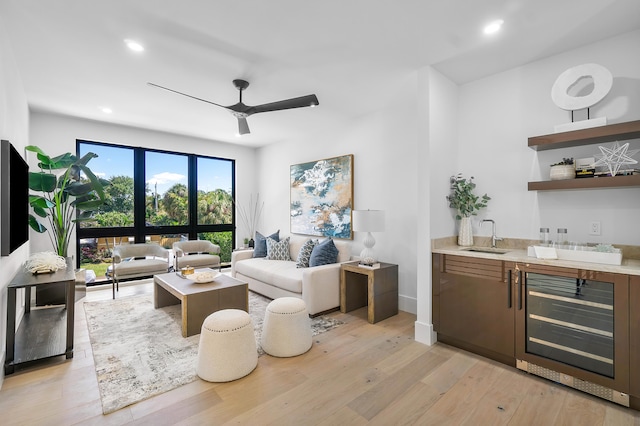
{"x": 356, "y": 374}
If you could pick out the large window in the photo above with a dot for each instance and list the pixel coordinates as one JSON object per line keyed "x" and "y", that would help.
{"x": 156, "y": 196}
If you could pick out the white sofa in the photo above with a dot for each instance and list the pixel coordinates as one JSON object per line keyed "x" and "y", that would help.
{"x": 318, "y": 286}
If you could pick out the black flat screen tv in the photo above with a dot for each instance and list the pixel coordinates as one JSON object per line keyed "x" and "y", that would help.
{"x": 14, "y": 199}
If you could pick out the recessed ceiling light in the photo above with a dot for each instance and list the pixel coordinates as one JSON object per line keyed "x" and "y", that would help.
{"x": 493, "y": 27}
{"x": 134, "y": 45}
{"x": 106, "y": 110}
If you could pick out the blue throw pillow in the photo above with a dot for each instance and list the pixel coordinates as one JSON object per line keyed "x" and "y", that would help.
{"x": 324, "y": 253}
{"x": 260, "y": 243}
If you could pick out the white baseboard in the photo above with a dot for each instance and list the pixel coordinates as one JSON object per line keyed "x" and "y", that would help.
{"x": 408, "y": 304}
{"x": 2, "y": 372}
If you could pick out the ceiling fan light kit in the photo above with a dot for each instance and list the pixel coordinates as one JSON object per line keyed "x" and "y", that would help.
{"x": 241, "y": 111}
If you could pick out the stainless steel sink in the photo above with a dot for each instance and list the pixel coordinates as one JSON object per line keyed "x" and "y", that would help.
{"x": 486, "y": 250}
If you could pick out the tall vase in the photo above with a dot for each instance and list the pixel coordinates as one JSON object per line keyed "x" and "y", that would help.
{"x": 465, "y": 234}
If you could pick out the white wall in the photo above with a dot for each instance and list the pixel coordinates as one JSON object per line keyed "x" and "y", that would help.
{"x": 443, "y": 151}
{"x": 14, "y": 127}
{"x": 384, "y": 145}
{"x": 499, "y": 113}
{"x": 437, "y": 161}
{"x": 57, "y": 134}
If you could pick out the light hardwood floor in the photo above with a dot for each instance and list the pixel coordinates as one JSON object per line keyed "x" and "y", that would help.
{"x": 356, "y": 374}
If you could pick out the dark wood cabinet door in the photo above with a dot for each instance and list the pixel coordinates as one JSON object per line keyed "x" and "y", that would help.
{"x": 634, "y": 340}
{"x": 476, "y": 307}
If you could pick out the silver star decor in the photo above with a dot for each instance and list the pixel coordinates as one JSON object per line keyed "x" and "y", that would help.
{"x": 615, "y": 157}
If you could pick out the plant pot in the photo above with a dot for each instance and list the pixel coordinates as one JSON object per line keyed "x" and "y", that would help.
{"x": 562, "y": 172}
{"x": 465, "y": 233}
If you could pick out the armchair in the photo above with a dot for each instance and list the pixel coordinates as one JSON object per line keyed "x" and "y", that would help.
{"x": 137, "y": 260}
{"x": 196, "y": 253}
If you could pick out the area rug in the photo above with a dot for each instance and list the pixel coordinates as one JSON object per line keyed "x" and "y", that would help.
{"x": 139, "y": 351}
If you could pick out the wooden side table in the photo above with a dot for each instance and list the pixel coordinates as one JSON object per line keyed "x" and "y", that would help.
{"x": 377, "y": 288}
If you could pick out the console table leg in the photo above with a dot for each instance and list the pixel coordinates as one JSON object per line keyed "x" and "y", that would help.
{"x": 11, "y": 331}
{"x": 71, "y": 300}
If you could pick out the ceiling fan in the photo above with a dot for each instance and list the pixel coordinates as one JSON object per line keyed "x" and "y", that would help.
{"x": 242, "y": 111}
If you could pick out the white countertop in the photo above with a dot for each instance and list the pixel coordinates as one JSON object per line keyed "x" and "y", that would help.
{"x": 628, "y": 266}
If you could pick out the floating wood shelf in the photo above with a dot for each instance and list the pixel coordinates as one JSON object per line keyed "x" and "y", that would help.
{"x": 587, "y": 183}
{"x": 594, "y": 135}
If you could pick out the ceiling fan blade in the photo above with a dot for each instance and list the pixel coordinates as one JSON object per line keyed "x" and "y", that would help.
{"x": 302, "y": 101}
{"x": 243, "y": 126}
{"x": 184, "y": 94}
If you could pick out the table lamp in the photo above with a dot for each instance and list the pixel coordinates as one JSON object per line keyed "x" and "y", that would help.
{"x": 368, "y": 221}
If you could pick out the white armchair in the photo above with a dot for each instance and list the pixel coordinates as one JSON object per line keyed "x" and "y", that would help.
{"x": 196, "y": 253}
{"x": 137, "y": 260}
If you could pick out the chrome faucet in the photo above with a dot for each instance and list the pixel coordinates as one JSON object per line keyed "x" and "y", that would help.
{"x": 493, "y": 232}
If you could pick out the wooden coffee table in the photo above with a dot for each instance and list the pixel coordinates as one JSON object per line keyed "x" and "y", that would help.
{"x": 199, "y": 300}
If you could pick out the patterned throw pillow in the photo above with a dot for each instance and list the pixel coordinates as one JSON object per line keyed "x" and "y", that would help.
{"x": 324, "y": 253}
{"x": 305, "y": 253}
{"x": 260, "y": 243}
{"x": 278, "y": 250}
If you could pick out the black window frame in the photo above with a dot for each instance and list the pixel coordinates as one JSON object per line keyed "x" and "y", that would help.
{"x": 140, "y": 230}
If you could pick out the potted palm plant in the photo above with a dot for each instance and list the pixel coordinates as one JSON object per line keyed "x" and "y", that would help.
{"x": 467, "y": 204}
{"x": 61, "y": 191}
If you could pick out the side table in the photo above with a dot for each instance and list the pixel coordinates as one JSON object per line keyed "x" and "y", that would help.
{"x": 377, "y": 288}
{"x": 45, "y": 332}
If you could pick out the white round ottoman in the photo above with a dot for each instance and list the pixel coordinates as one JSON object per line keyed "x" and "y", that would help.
{"x": 227, "y": 349}
{"x": 286, "y": 330}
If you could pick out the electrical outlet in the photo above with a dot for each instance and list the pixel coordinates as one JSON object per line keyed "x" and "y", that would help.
{"x": 594, "y": 228}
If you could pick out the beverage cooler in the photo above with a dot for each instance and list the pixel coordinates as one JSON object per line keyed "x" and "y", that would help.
{"x": 572, "y": 327}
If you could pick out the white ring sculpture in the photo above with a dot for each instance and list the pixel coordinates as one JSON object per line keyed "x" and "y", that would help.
{"x": 602, "y": 82}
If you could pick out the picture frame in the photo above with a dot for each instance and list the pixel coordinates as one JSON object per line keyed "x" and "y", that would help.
{"x": 321, "y": 198}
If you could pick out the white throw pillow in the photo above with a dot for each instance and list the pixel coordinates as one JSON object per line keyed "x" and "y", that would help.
{"x": 278, "y": 250}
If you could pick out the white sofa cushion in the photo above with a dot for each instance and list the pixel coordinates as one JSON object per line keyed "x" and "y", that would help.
{"x": 279, "y": 273}
{"x": 141, "y": 266}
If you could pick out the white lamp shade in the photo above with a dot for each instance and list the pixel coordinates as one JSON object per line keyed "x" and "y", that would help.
{"x": 367, "y": 220}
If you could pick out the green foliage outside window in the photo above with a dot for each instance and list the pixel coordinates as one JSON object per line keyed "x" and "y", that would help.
{"x": 222, "y": 239}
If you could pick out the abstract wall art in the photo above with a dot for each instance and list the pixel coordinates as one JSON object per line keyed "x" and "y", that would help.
{"x": 322, "y": 197}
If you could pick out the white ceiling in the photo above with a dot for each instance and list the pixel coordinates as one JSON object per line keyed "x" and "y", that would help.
{"x": 72, "y": 58}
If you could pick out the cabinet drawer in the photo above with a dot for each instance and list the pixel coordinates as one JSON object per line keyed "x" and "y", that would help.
{"x": 544, "y": 269}
{"x": 473, "y": 267}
